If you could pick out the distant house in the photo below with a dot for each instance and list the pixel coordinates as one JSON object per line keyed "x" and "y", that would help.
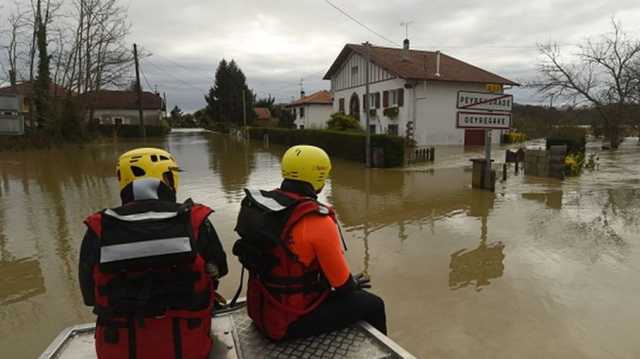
{"x": 24, "y": 90}
{"x": 121, "y": 107}
{"x": 312, "y": 111}
{"x": 413, "y": 93}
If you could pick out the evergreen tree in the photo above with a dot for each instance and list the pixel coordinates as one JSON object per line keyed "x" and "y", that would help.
{"x": 175, "y": 117}
{"x": 43, "y": 80}
{"x": 266, "y": 102}
{"x": 224, "y": 101}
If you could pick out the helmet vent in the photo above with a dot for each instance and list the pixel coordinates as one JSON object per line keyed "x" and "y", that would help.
{"x": 154, "y": 158}
{"x": 137, "y": 171}
{"x": 164, "y": 158}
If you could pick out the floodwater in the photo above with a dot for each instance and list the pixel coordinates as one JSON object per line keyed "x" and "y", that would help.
{"x": 539, "y": 269}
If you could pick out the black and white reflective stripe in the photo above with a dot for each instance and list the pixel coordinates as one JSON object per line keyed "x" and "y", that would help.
{"x": 134, "y": 217}
{"x": 157, "y": 247}
{"x": 267, "y": 202}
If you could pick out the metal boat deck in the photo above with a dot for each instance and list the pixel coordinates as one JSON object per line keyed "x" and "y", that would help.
{"x": 235, "y": 337}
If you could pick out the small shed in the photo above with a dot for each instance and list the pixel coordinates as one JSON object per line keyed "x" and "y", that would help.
{"x": 11, "y": 119}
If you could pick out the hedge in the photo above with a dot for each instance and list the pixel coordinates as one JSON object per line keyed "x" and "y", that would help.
{"x": 347, "y": 145}
{"x": 574, "y": 137}
{"x": 133, "y": 130}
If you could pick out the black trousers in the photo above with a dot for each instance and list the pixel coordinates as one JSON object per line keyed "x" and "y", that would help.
{"x": 339, "y": 311}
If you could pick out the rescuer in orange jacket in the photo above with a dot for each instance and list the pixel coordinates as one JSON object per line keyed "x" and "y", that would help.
{"x": 299, "y": 281}
{"x": 150, "y": 268}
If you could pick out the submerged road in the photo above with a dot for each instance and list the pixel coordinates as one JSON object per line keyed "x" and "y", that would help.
{"x": 539, "y": 269}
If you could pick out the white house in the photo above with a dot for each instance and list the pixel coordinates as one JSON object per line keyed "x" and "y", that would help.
{"x": 312, "y": 111}
{"x": 411, "y": 91}
{"x": 121, "y": 107}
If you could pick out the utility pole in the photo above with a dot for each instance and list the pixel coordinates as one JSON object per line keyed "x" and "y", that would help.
{"x": 366, "y": 106}
{"x": 143, "y": 132}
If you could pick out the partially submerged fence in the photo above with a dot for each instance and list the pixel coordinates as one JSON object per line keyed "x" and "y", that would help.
{"x": 420, "y": 154}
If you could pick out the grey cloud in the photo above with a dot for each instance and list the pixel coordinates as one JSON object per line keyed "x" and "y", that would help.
{"x": 277, "y": 42}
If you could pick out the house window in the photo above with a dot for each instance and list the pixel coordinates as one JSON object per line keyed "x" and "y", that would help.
{"x": 354, "y": 75}
{"x": 341, "y": 105}
{"x": 392, "y": 130}
{"x": 301, "y": 127}
{"x": 301, "y": 112}
{"x": 393, "y": 97}
{"x": 372, "y": 129}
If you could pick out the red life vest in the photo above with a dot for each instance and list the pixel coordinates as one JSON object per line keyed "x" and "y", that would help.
{"x": 153, "y": 296}
{"x": 280, "y": 289}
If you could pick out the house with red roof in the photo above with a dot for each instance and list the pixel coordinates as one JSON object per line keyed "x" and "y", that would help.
{"x": 413, "y": 93}
{"x": 312, "y": 111}
{"x": 115, "y": 107}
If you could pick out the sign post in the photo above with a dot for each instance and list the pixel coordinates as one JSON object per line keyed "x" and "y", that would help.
{"x": 488, "y": 111}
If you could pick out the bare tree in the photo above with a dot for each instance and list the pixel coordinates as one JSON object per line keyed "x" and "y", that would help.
{"x": 17, "y": 24}
{"x": 601, "y": 75}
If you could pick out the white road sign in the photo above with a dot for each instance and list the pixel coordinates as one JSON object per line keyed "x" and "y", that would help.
{"x": 493, "y": 121}
{"x": 484, "y": 101}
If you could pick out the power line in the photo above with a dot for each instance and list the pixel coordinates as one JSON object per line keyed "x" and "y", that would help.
{"x": 360, "y": 23}
{"x": 145, "y": 79}
{"x": 174, "y": 77}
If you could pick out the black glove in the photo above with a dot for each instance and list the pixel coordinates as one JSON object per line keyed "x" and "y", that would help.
{"x": 362, "y": 281}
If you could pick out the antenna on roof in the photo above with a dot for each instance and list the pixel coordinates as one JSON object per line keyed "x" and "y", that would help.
{"x": 406, "y": 24}
{"x": 301, "y": 87}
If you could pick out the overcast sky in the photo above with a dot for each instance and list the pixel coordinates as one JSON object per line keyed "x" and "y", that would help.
{"x": 278, "y": 42}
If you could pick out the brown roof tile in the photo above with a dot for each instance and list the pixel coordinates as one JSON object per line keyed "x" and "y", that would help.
{"x": 263, "y": 113}
{"x": 321, "y": 97}
{"x": 121, "y": 100}
{"x": 25, "y": 89}
{"x": 419, "y": 65}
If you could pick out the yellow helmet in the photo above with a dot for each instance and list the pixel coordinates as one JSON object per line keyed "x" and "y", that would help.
{"x": 307, "y": 164}
{"x": 148, "y": 163}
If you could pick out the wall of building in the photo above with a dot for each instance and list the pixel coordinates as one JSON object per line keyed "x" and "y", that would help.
{"x": 129, "y": 117}
{"x": 315, "y": 115}
{"x": 380, "y": 121}
{"x": 436, "y": 112}
{"x": 345, "y": 79}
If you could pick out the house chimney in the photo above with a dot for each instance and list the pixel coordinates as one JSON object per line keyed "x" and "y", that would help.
{"x": 405, "y": 49}
{"x": 437, "y": 63}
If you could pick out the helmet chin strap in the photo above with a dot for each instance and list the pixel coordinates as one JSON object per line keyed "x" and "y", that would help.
{"x": 147, "y": 189}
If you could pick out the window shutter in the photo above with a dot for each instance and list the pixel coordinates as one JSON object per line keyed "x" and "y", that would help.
{"x": 385, "y": 99}
{"x": 377, "y": 99}
{"x": 400, "y": 97}
{"x": 364, "y": 102}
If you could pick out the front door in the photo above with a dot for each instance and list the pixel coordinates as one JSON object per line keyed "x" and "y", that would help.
{"x": 473, "y": 137}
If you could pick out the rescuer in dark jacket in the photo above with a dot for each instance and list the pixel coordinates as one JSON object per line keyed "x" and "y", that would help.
{"x": 299, "y": 281}
{"x": 150, "y": 267}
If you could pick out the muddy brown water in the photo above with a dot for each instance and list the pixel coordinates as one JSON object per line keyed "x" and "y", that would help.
{"x": 540, "y": 269}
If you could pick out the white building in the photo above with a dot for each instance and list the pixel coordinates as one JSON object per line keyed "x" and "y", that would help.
{"x": 121, "y": 107}
{"x": 312, "y": 111}
{"x": 409, "y": 88}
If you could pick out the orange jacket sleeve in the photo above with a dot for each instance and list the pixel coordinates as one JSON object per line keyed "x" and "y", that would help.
{"x": 317, "y": 237}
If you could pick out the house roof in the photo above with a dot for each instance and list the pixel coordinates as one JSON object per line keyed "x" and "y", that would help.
{"x": 25, "y": 89}
{"x": 121, "y": 100}
{"x": 263, "y": 113}
{"x": 321, "y": 97}
{"x": 419, "y": 65}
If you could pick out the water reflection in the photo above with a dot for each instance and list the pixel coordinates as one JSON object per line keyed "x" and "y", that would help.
{"x": 21, "y": 279}
{"x": 483, "y": 263}
{"x": 551, "y": 199}
{"x": 232, "y": 161}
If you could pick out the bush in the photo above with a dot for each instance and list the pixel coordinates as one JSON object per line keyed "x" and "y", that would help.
{"x": 574, "y": 137}
{"x": 341, "y": 122}
{"x": 573, "y": 163}
{"x": 514, "y": 137}
{"x": 347, "y": 145}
